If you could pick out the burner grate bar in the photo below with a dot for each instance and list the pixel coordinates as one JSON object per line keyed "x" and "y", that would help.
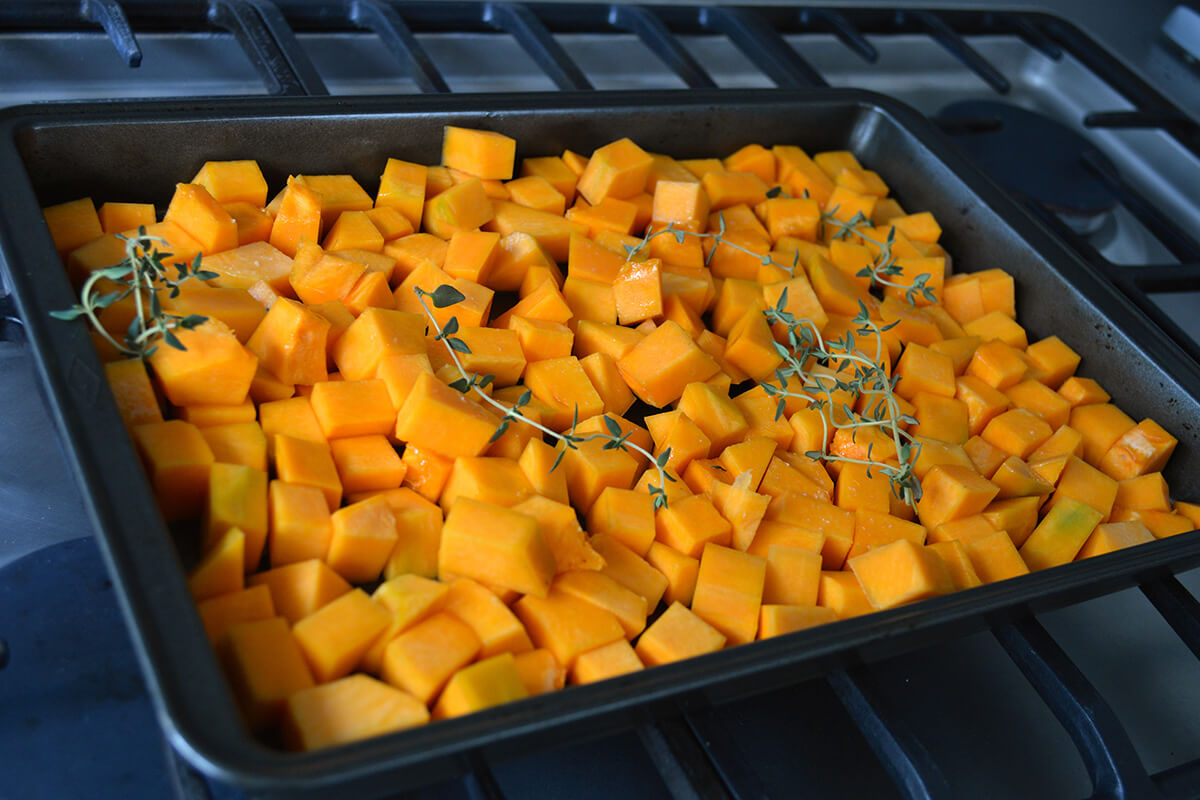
{"x": 1109, "y": 755}
{"x": 1029, "y": 33}
{"x": 906, "y": 760}
{"x": 725, "y": 754}
{"x": 1164, "y": 277}
{"x": 1109, "y": 70}
{"x": 956, "y": 45}
{"x": 1181, "y": 245}
{"x": 1126, "y": 279}
{"x": 1179, "y": 783}
{"x": 682, "y": 762}
{"x": 657, "y": 37}
{"x": 760, "y": 42}
{"x": 109, "y": 15}
{"x": 307, "y": 75}
{"x": 259, "y": 45}
{"x": 523, "y": 25}
{"x": 391, "y": 29}
{"x": 1179, "y": 608}
{"x": 824, "y": 19}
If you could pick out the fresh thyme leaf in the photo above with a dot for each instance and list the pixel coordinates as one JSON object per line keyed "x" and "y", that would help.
{"x": 612, "y": 425}
{"x": 446, "y": 295}
{"x": 499, "y": 431}
{"x": 74, "y": 312}
{"x": 461, "y": 384}
{"x": 459, "y": 346}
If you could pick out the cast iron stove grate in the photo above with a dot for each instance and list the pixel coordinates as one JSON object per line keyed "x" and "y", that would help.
{"x": 694, "y": 754}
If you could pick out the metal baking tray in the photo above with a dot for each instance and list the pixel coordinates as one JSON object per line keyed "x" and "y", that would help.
{"x": 137, "y": 152}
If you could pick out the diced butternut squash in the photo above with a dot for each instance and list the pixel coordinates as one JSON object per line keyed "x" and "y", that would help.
{"x": 677, "y": 634}
{"x": 347, "y": 710}
{"x": 496, "y": 546}
{"x": 265, "y": 666}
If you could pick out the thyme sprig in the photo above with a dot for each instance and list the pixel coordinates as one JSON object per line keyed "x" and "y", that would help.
{"x": 883, "y": 265}
{"x": 614, "y": 437}
{"x": 142, "y": 274}
{"x": 867, "y": 379}
{"x": 804, "y": 344}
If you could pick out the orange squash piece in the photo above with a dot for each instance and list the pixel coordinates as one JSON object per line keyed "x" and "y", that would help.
{"x": 237, "y": 498}
{"x": 300, "y": 526}
{"x": 222, "y": 569}
{"x": 729, "y": 591}
{"x": 220, "y": 613}
{"x": 202, "y": 217}
{"x": 299, "y": 589}
{"x": 952, "y": 492}
{"x": 178, "y": 461}
{"x": 265, "y": 667}
{"x": 677, "y": 634}
{"x": 422, "y": 659}
{"x": 334, "y": 637}
{"x": 443, "y": 420}
{"x": 347, "y": 710}
{"x": 901, "y": 572}
{"x": 496, "y": 546}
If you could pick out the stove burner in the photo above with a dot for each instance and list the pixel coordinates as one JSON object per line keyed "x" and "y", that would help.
{"x": 1033, "y": 156}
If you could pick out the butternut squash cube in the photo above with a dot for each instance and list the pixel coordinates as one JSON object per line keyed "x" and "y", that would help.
{"x": 367, "y": 463}
{"x": 952, "y": 492}
{"x": 498, "y": 629}
{"x": 923, "y": 370}
{"x": 222, "y": 570}
{"x": 347, "y": 710}
{"x": 488, "y": 683}
{"x": 72, "y": 224}
{"x": 566, "y": 625}
{"x": 793, "y": 576}
{"x": 1111, "y": 536}
{"x": 496, "y": 546}
{"x": 626, "y": 515}
{"x": 484, "y": 154}
{"x": 1060, "y": 535}
{"x": 299, "y": 589}
{"x": 1142, "y": 449}
{"x": 995, "y": 558}
{"x": 901, "y": 572}
{"x": 213, "y": 369}
{"x": 603, "y": 592}
{"x": 179, "y": 462}
{"x": 660, "y": 366}
{"x": 422, "y": 659}
{"x": 300, "y": 524}
{"x": 958, "y": 562}
{"x": 375, "y": 335}
{"x": 729, "y": 591}
{"x": 1018, "y": 516}
{"x": 629, "y": 569}
{"x": 842, "y": 593}
{"x": 590, "y": 469}
{"x": 308, "y": 463}
{"x": 402, "y": 187}
{"x": 443, "y": 420}
{"x": 776, "y": 620}
{"x": 290, "y": 343}
{"x": 677, "y": 634}
{"x": 492, "y": 480}
{"x": 1017, "y": 432}
{"x": 298, "y": 217}
{"x": 265, "y": 667}
{"x": 237, "y": 498}
{"x": 563, "y": 384}
{"x": 688, "y": 525}
{"x": 233, "y": 181}
{"x": 223, "y": 611}
{"x": 608, "y": 661}
{"x": 680, "y": 571}
{"x": 202, "y": 217}
{"x": 334, "y": 637}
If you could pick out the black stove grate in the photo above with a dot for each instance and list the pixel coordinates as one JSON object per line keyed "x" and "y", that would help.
{"x": 695, "y": 755}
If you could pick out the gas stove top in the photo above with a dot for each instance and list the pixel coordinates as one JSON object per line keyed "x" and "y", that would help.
{"x": 994, "y": 714}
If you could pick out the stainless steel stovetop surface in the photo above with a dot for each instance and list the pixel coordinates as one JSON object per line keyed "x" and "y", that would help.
{"x": 1119, "y": 641}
